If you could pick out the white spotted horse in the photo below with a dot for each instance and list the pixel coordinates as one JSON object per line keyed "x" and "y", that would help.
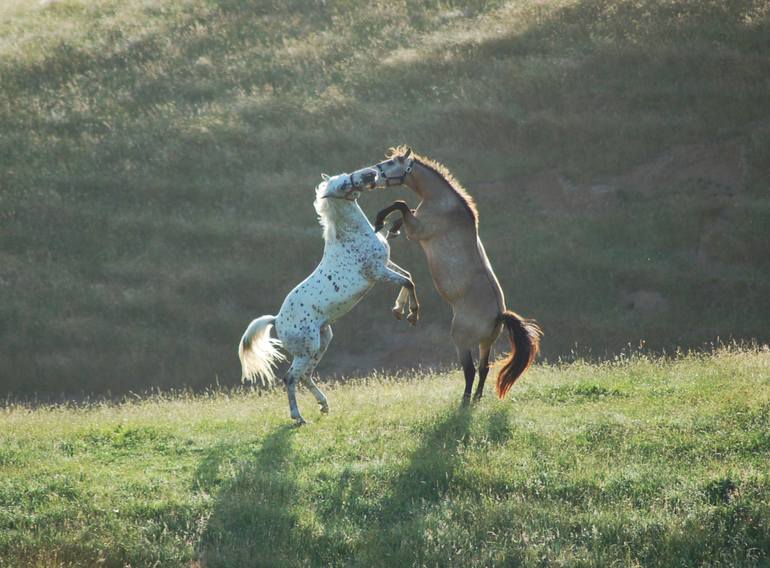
{"x": 355, "y": 258}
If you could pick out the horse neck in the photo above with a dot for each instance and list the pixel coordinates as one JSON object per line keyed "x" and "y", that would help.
{"x": 438, "y": 193}
{"x": 429, "y": 185}
{"x": 347, "y": 219}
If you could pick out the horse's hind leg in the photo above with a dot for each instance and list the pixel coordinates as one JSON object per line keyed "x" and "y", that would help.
{"x": 467, "y": 333}
{"x": 484, "y": 351}
{"x": 326, "y": 338}
{"x": 297, "y": 370}
{"x": 466, "y": 358}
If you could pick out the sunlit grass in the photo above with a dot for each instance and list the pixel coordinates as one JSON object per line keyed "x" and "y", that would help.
{"x": 638, "y": 461}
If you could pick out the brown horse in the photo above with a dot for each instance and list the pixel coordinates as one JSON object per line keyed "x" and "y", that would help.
{"x": 446, "y": 225}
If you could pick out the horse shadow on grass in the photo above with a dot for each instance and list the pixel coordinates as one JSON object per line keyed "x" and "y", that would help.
{"x": 395, "y": 526}
{"x": 263, "y": 517}
{"x": 253, "y": 510}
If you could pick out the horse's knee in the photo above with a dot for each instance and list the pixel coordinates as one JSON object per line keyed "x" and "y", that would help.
{"x": 408, "y": 283}
{"x": 400, "y": 205}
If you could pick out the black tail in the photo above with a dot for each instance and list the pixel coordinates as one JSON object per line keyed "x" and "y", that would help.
{"x": 525, "y": 343}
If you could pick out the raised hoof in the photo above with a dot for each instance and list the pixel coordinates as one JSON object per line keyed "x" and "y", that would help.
{"x": 324, "y": 408}
{"x": 398, "y": 313}
{"x": 413, "y": 317}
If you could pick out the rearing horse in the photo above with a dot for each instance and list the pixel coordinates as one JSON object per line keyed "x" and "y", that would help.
{"x": 355, "y": 258}
{"x": 446, "y": 225}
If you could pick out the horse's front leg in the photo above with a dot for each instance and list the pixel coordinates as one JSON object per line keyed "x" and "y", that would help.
{"x": 414, "y": 229}
{"x": 401, "y": 301}
{"x": 394, "y": 273}
{"x": 407, "y": 292}
{"x": 395, "y": 229}
{"x": 403, "y": 295}
{"x": 379, "y": 220}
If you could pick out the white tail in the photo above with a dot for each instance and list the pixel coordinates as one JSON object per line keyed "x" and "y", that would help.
{"x": 259, "y": 352}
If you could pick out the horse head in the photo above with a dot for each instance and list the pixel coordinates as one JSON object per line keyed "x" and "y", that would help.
{"x": 391, "y": 171}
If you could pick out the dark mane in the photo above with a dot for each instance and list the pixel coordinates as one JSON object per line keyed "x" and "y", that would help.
{"x": 439, "y": 169}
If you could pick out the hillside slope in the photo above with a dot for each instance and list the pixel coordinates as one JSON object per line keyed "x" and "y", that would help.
{"x": 157, "y": 161}
{"x": 639, "y": 462}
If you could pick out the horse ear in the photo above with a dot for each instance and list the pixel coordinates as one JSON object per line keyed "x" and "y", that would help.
{"x": 408, "y": 152}
{"x": 325, "y": 177}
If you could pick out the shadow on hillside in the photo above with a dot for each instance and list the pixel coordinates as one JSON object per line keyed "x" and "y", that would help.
{"x": 263, "y": 517}
{"x": 204, "y": 107}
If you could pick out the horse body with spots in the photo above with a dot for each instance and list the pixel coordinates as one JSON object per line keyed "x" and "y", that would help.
{"x": 355, "y": 258}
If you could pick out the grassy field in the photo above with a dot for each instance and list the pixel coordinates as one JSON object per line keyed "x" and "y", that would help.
{"x": 638, "y": 461}
{"x": 157, "y": 160}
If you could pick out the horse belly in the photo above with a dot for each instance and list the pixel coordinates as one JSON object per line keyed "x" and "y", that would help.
{"x": 344, "y": 287}
{"x": 339, "y": 307}
{"x": 450, "y": 281}
{"x": 458, "y": 268}
{"x": 325, "y": 296}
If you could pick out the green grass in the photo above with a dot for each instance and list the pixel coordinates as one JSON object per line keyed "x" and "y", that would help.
{"x": 157, "y": 159}
{"x": 637, "y": 461}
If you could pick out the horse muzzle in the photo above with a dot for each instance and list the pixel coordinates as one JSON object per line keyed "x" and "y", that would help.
{"x": 366, "y": 178}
